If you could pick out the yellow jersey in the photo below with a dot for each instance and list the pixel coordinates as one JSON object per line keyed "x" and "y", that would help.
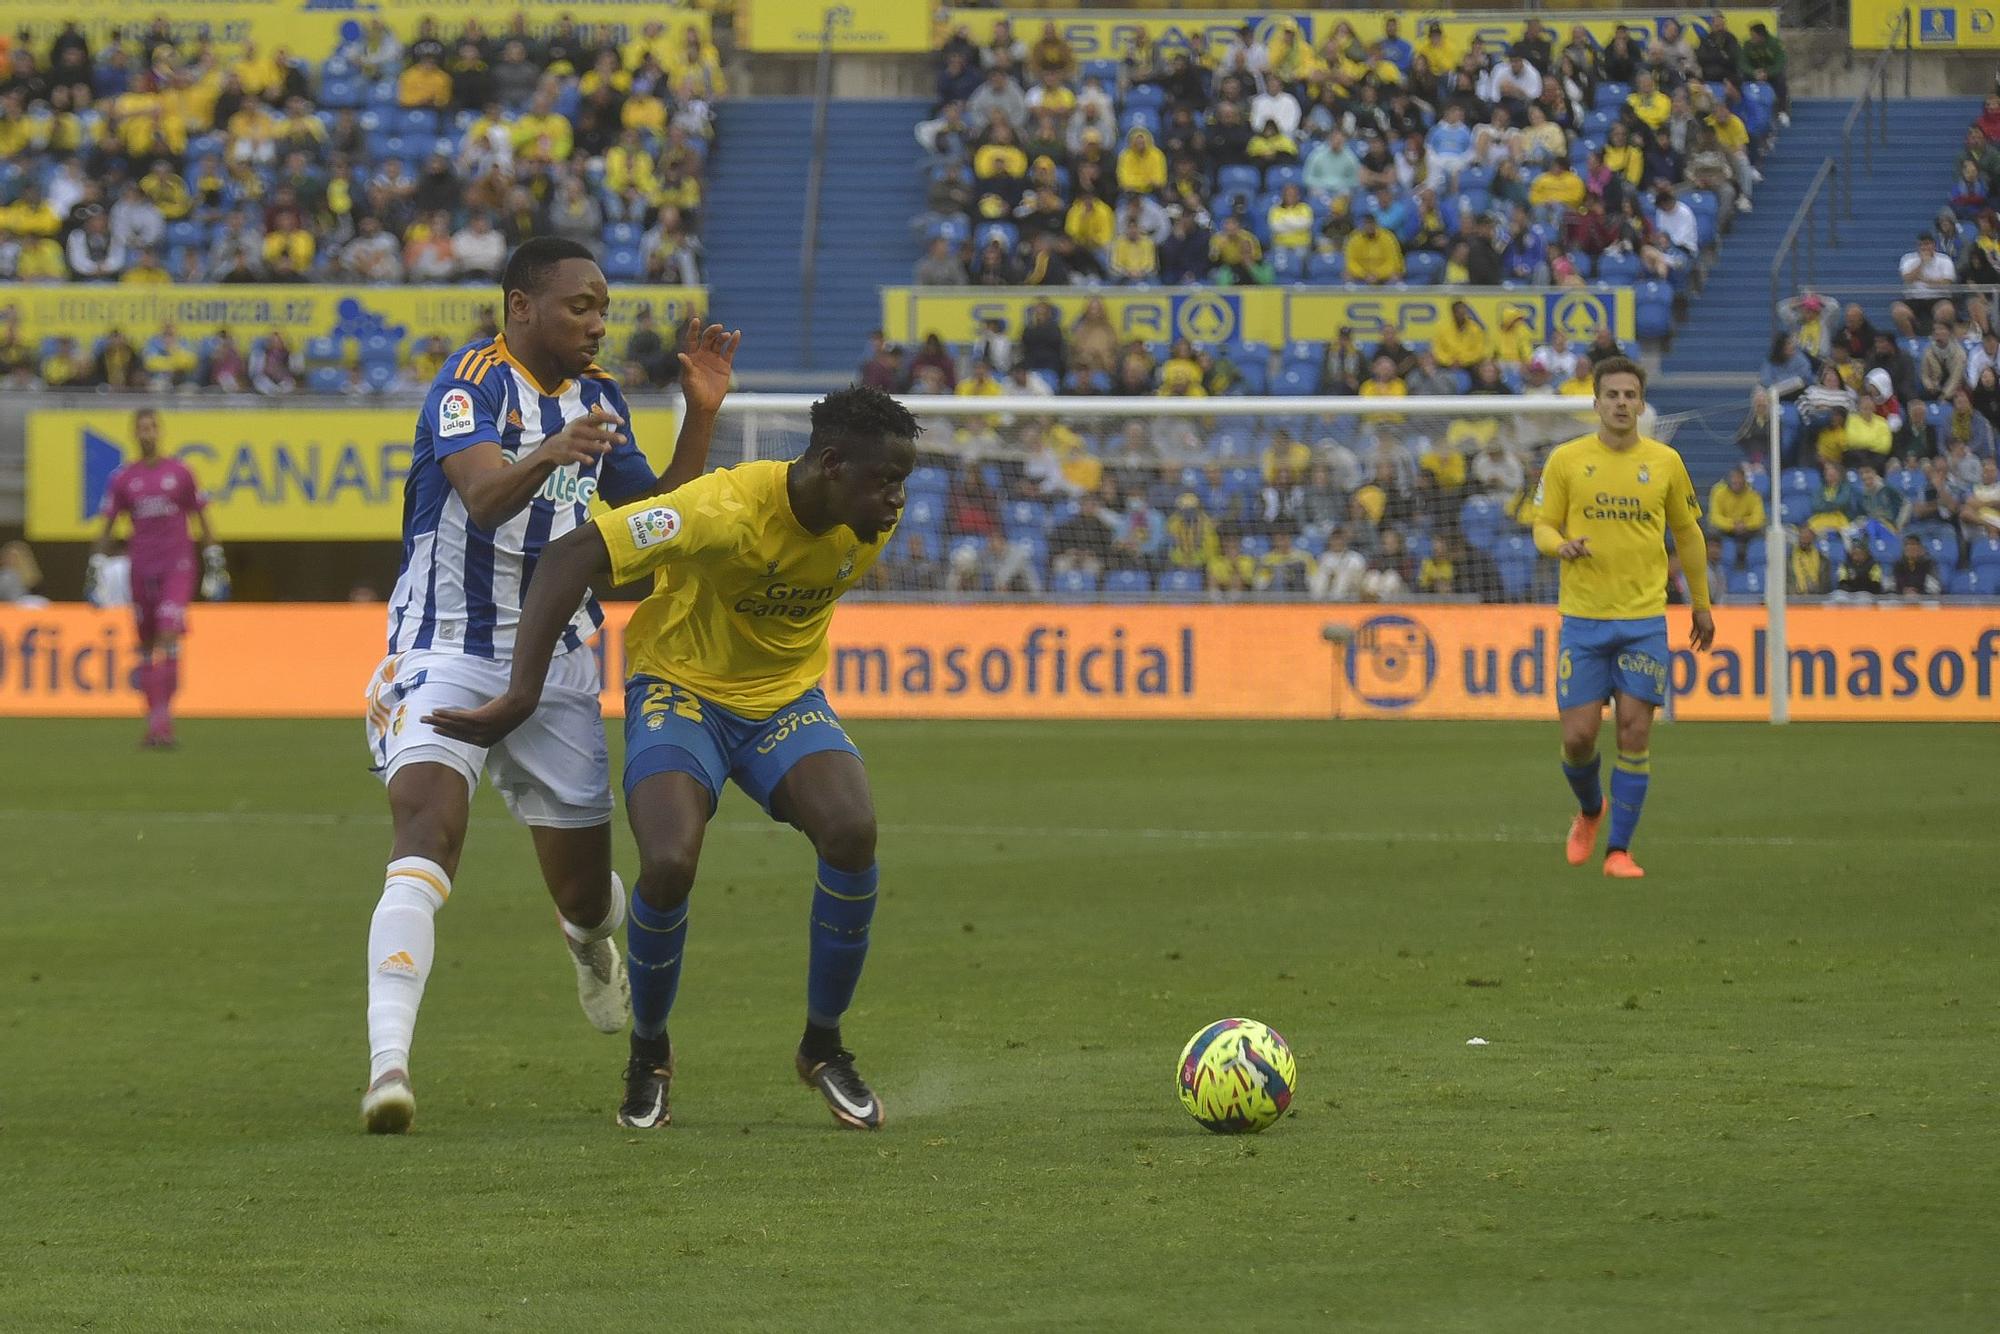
{"x": 742, "y": 593}
{"x": 1624, "y": 501}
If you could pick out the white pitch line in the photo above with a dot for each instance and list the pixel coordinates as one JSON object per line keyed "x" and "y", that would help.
{"x": 1502, "y": 835}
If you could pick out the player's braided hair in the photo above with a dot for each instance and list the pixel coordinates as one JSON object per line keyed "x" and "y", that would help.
{"x": 859, "y": 413}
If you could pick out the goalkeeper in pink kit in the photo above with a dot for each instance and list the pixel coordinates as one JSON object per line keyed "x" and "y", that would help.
{"x": 158, "y": 495}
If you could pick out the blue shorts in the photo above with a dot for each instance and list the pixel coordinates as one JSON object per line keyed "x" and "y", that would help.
{"x": 669, "y": 729}
{"x": 1599, "y": 659}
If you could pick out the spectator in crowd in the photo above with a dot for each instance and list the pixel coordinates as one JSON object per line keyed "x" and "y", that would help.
{"x": 478, "y": 251}
{"x": 1927, "y": 276}
{"x": 1808, "y": 573}
{"x": 1859, "y": 575}
{"x": 1915, "y": 574}
{"x": 1134, "y": 257}
{"x": 1082, "y": 542}
{"x": 1373, "y": 254}
{"x": 1764, "y": 60}
{"x": 941, "y": 266}
{"x": 1941, "y": 371}
{"x": 884, "y": 368}
{"x": 1735, "y": 509}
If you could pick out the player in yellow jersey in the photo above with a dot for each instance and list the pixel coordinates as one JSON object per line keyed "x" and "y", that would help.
{"x": 1606, "y": 502}
{"x": 727, "y": 654}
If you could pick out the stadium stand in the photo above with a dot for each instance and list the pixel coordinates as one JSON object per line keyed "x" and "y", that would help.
{"x": 1553, "y": 162}
{"x": 382, "y": 162}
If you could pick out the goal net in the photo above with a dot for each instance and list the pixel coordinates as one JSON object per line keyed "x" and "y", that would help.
{"x": 1333, "y": 499}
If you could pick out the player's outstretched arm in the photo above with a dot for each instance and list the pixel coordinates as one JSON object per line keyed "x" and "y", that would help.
{"x": 708, "y": 362}
{"x": 562, "y": 577}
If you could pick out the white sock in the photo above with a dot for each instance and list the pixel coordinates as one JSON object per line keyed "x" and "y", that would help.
{"x": 613, "y": 920}
{"x": 402, "y": 940}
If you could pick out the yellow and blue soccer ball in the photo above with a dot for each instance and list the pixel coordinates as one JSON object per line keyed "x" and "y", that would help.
{"x": 1237, "y": 1076}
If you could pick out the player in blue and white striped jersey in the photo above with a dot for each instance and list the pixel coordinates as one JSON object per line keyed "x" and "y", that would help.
{"x": 516, "y": 436}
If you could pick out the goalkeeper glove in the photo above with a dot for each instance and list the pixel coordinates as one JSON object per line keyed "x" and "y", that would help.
{"x": 215, "y": 575}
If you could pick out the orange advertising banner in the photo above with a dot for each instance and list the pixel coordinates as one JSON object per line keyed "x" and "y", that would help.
{"x": 1881, "y": 663}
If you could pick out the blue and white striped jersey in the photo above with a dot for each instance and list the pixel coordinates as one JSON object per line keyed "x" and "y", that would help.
{"x": 461, "y": 587}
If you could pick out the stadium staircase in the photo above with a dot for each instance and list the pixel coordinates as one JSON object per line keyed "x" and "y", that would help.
{"x": 1712, "y": 364}
{"x": 756, "y": 215}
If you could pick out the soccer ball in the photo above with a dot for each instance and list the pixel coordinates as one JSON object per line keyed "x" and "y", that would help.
{"x": 1237, "y": 1076}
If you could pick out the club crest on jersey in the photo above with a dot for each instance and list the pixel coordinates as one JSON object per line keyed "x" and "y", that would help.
{"x": 455, "y": 413}
{"x": 651, "y": 527}
{"x": 847, "y": 564}
{"x": 1645, "y": 474}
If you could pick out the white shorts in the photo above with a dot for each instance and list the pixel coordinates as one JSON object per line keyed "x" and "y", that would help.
{"x": 552, "y": 770}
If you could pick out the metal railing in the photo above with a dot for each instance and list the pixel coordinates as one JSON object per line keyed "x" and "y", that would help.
{"x": 1874, "y": 97}
{"x": 1835, "y": 177}
{"x": 1805, "y": 227}
{"x": 815, "y": 175}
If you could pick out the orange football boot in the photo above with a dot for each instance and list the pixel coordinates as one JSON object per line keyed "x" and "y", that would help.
{"x": 1583, "y": 836}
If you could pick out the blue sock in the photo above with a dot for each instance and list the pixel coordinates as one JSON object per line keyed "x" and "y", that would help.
{"x": 1629, "y": 777}
{"x": 843, "y": 905}
{"x": 654, "y": 943}
{"x": 1586, "y": 780}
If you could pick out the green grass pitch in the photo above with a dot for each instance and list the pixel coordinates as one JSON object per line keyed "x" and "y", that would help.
{"x": 1754, "y": 1092}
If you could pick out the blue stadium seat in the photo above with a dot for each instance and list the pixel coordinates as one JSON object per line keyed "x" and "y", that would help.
{"x": 1139, "y": 118}
{"x": 1238, "y": 180}
{"x": 1479, "y": 519}
{"x": 928, "y": 481}
{"x": 1128, "y": 583}
{"x": 1006, "y": 233}
{"x": 1475, "y": 178}
{"x": 1230, "y": 441}
{"x": 623, "y": 264}
{"x": 1800, "y": 481}
{"x": 1943, "y": 546}
{"x": 1610, "y": 96}
{"x": 1296, "y": 380}
{"x": 1886, "y": 550}
{"x": 342, "y": 94}
{"x": 1256, "y": 375}
{"x": 417, "y": 122}
{"x": 1419, "y": 545}
{"x": 186, "y": 232}
{"x": 1910, "y": 481}
{"x": 1023, "y": 518}
{"x": 1834, "y": 547}
{"x": 1653, "y": 319}
{"x": 1145, "y": 97}
{"x": 1182, "y": 583}
{"x": 1747, "y": 583}
{"x": 1277, "y": 178}
{"x": 1517, "y": 577}
{"x": 1985, "y": 554}
{"x": 1326, "y": 267}
{"x": 1257, "y": 545}
{"x": 1978, "y": 582}
{"x": 622, "y": 234}
{"x": 1288, "y": 264}
{"x": 1619, "y": 270}
{"x": 1599, "y": 122}
{"x": 1423, "y": 267}
{"x": 1104, "y": 71}
{"x": 1075, "y": 583}
{"x": 1795, "y": 509}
